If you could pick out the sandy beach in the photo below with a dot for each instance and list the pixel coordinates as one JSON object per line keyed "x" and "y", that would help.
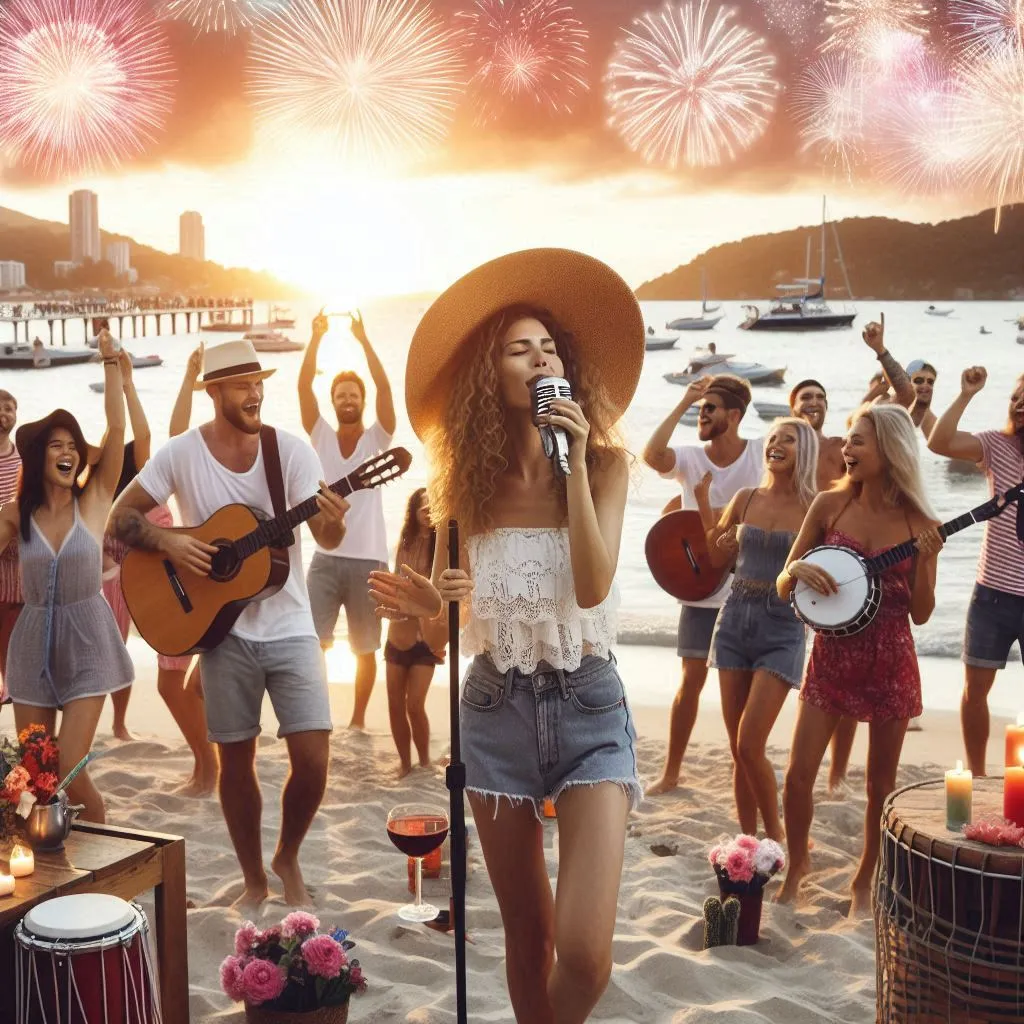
{"x": 660, "y": 974}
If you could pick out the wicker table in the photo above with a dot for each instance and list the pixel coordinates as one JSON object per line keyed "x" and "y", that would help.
{"x": 949, "y": 914}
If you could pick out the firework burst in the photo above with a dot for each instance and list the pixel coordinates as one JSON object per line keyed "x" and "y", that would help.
{"x": 83, "y": 83}
{"x": 685, "y": 87}
{"x": 854, "y": 26}
{"x": 828, "y": 105}
{"x": 988, "y": 25}
{"x": 228, "y": 16}
{"x": 378, "y": 77}
{"x": 800, "y": 20}
{"x": 990, "y": 118}
{"x": 525, "y": 50}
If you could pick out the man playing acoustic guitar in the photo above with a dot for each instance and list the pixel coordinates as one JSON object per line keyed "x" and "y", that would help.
{"x": 734, "y": 463}
{"x": 273, "y": 646}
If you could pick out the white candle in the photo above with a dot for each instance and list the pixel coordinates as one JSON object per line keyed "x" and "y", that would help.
{"x": 6, "y": 885}
{"x": 959, "y": 784}
{"x": 23, "y": 863}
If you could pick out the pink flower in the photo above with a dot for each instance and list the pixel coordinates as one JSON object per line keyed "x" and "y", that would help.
{"x": 324, "y": 957}
{"x": 738, "y": 866}
{"x": 748, "y": 843}
{"x": 713, "y": 855}
{"x": 299, "y": 923}
{"x": 15, "y": 783}
{"x": 270, "y": 935}
{"x": 231, "y": 978}
{"x": 262, "y": 981}
{"x": 356, "y": 977}
{"x": 245, "y": 938}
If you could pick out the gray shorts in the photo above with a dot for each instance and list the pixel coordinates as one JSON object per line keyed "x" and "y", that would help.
{"x": 526, "y": 737}
{"x": 696, "y": 627}
{"x": 334, "y": 583}
{"x": 760, "y": 633}
{"x": 238, "y": 672}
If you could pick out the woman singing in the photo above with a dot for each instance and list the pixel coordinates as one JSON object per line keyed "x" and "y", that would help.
{"x": 66, "y": 652}
{"x": 544, "y": 711}
{"x": 414, "y": 647}
{"x": 758, "y": 644}
{"x": 873, "y": 675}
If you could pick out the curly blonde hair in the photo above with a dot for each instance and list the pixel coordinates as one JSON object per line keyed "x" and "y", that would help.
{"x": 467, "y": 450}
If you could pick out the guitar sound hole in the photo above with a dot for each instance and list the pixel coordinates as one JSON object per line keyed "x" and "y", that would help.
{"x": 226, "y": 562}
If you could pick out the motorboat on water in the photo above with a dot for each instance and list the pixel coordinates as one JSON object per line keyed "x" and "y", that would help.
{"x": 754, "y": 374}
{"x": 656, "y": 344}
{"x": 280, "y": 317}
{"x": 939, "y": 310}
{"x": 772, "y": 410}
{"x": 707, "y": 357}
{"x": 272, "y": 341}
{"x": 23, "y": 357}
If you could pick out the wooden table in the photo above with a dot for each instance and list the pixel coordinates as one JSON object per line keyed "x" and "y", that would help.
{"x": 117, "y": 862}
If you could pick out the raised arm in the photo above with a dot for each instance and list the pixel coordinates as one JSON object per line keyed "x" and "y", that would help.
{"x": 721, "y": 534}
{"x": 657, "y": 452}
{"x": 945, "y": 438}
{"x": 181, "y": 414}
{"x": 308, "y": 407}
{"x": 107, "y": 471}
{"x": 874, "y": 338}
{"x": 385, "y": 401}
{"x": 136, "y": 414}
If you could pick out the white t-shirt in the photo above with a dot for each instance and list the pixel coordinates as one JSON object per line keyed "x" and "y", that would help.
{"x": 365, "y": 536}
{"x": 692, "y": 463}
{"x": 185, "y": 467}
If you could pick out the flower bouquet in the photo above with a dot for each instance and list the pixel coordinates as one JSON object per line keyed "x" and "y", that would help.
{"x": 28, "y": 775}
{"x": 292, "y": 969}
{"x": 743, "y": 866}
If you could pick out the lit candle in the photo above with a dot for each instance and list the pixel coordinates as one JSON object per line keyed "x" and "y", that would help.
{"x": 1014, "y": 742}
{"x": 959, "y": 786}
{"x": 1013, "y": 795}
{"x": 6, "y": 885}
{"x": 23, "y": 863}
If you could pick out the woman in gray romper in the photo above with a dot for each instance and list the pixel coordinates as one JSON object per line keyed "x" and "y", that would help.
{"x": 66, "y": 651}
{"x": 758, "y": 644}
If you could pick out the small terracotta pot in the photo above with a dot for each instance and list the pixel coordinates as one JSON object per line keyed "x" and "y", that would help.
{"x": 751, "y": 898}
{"x": 323, "y": 1015}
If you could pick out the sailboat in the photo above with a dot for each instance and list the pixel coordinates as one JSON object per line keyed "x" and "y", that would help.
{"x": 802, "y": 312}
{"x": 704, "y": 322}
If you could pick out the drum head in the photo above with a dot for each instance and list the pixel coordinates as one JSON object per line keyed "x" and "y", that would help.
{"x": 832, "y": 610}
{"x": 86, "y": 916}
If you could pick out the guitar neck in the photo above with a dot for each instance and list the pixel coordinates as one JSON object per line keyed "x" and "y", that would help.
{"x": 270, "y": 531}
{"x": 887, "y": 559}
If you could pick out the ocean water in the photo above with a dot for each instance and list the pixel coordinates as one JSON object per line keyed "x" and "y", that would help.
{"x": 839, "y": 359}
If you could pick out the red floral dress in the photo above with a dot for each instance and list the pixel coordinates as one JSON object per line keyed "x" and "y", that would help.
{"x": 873, "y": 675}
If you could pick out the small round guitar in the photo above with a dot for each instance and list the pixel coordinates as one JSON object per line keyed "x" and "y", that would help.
{"x": 858, "y": 577}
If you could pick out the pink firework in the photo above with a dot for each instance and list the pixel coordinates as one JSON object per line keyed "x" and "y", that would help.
{"x": 525, "y": 51}
{"x": 829, "y": 107}
{"x": 83, "y": 83}
{"x": 854, "y": 26}
{"x": 988, "y": 24}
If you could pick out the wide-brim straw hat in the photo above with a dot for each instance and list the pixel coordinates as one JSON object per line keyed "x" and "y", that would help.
{"x": 29, "y": 433}
{"x": 585, "y": 296}
{"x": 231, "y": 360}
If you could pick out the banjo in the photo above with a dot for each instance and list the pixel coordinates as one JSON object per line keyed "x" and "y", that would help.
{"x": 860, "y": 588}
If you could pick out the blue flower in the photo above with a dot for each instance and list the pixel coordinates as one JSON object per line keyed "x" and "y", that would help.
{"x": 339, "y": 935}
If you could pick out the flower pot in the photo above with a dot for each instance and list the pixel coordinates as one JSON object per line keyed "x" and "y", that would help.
{"x": 323, "y": 1015}
{"x": 750, "y": 898}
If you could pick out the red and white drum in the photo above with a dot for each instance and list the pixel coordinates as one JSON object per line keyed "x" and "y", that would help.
{"x": 84, "y": 960}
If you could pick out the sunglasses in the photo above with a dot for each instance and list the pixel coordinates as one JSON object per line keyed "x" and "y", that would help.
{"x": 709, "y": 407}
{"x": 922, "y": 380}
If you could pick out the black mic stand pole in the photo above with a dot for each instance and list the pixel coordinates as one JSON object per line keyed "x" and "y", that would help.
{"x": 455, "y": 780}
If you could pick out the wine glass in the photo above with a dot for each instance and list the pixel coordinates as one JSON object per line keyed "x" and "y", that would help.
{"x": 417, "y": 829}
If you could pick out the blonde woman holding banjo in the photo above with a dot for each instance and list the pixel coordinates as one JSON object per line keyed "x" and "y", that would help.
{"x": 872, "y": 675}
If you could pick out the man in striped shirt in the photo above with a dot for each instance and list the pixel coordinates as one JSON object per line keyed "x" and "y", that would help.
{"x": 10, "y": 583}
{"x": 995, "y": 618}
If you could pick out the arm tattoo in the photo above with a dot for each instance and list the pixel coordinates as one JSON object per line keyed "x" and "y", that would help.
{"x": 895, "y": 373}
{"x": 132, "y": 528}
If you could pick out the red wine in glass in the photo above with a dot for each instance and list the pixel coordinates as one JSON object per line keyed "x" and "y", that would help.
{"x": 418, "y": 834}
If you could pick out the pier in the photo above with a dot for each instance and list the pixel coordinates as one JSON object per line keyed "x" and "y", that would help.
{"x": 139, "y": 316}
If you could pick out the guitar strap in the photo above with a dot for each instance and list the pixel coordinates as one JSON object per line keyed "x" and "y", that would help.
{"x": 275, "y": 478}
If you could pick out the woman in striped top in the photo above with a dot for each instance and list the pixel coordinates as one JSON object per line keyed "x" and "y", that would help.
{"x": 995, "y": 617}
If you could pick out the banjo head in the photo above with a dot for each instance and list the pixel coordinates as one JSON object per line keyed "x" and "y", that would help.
{"x": 832, "y": 613}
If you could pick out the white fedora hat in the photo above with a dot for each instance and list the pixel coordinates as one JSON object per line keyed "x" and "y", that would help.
{"x": 231, "y": 360}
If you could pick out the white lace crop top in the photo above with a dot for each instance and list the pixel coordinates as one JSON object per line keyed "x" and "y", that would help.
{"x": 523, "y": 609}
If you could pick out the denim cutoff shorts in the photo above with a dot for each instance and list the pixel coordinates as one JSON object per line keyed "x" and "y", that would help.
{"x": 526, "y": 737}
{"x": 760, "y": 633}
{"x": 995, "y": 621}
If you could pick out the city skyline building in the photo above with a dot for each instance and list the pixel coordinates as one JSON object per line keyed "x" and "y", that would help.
{"x": 191, "y": 236}
{"x": 119, "y": 256}
{"x": 84, "y": 222}
{"x": 12, "y": 275}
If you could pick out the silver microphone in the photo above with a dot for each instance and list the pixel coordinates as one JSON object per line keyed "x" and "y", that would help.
{"x": 543, "y": 392}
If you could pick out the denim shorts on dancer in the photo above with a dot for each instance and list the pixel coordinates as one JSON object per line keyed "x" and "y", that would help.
{"x": 237, "y": 672}
{"x": 760, "y": 633}
{"x": 526, "y": 737}
{"x": 696, "y": 626}
{"x": 995, "y": 619}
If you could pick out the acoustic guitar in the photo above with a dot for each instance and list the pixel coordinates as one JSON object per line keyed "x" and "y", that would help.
{"x": 184, "y": 613}
{"x": 678, "y": 557}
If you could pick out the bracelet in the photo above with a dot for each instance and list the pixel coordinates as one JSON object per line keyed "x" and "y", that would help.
{"x": 110, "y": 362}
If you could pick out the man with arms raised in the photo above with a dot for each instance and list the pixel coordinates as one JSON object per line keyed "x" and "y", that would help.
{"x": 273, "y": 646}
{"x": 995, "y": 616}
{"x": 10, "y": 579}
{"x": 339, "y": 577}
{"x": 734, "y": 463}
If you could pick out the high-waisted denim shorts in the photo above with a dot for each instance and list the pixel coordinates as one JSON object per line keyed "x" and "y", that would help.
{"x": 526, "y": 737}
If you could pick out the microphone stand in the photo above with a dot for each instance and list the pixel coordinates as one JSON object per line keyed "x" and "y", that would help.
{"x": 455, "y": 780}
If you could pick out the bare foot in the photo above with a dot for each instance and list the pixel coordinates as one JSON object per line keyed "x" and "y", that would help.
{"x": 790, "y": 891}
{"x": 838, "y": 789}
{"x": 403, "y": 770}
{"x": 252, "y": 896}
{"x": 664, "y": 785}
{"x": 426, "y": 764}
{"x": 860, "y": 903}
{"x": 197, "y": 786}
{"x": 121, "y": 732}
{"x": 295, "y": 894}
